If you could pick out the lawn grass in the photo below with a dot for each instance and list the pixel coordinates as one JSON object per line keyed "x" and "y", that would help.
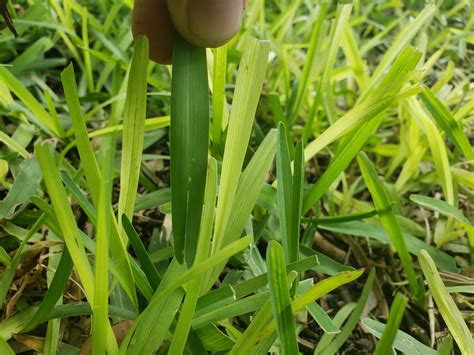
{"x": 308, "y": 187}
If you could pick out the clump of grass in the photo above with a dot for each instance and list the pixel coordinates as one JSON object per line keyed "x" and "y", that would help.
{"x": 281, "y": 183}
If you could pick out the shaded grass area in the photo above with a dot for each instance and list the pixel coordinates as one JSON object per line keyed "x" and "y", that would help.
{"x": 334, "y": 213}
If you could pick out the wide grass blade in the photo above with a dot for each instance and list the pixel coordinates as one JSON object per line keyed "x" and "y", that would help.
{"x": 246, "y": 96}
{"x": 414, "y": 245}
{"x": 248, "y": 189}
{"x": 100, "y": 314}
{"x": 388, "y": 219}
{"x": 290, "y": 194}
{"x": 193, "y": 288}
{"x": 280, "y": 297}
{"x": 403, "y": 341}
{"x": 5, "y": 348}
{"x": 189, "y": 139}
{"x": 66, "y": 219}
{"x": 152, "y": 326}
{"x": 133, "y": 128}
{"x": 393, "y": 324}
{"x": 441, "y": 207}
{"x": 88, "y": 159}
{"x": 446, "y": 305}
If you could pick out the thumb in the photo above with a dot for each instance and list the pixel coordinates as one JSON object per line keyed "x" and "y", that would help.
{"x": 207, "y": 23}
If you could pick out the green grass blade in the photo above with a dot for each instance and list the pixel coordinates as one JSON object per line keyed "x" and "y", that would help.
{"x": 249, "y": 187}
{"x": 189, "y": 139}
{"x": 438, "y": 150}
{"x": 280, "y": 297}
{"x": 340, "y": 338}
{"x": 152, "y": 326}
{"x": 93, "y": 178}
{"x": 285, "y": 195}
{"x": 5, "y": 348}
{"x": 88, "y": 159}
{"x": 395, "y": 317}
{"x": 264, "y": 326}
{"x": 66, "y": 219}
{"x": 219, "y": 103}
{"x": 441, "y": 207}
{"x": 323, "y": 320}
{"x": 402, "y": 39}
{"x": 414, "y": 245}
{"x": 297, "y": 202}
{"x": 323, "y": 287}
{"x": 247, "y": 92}
{"x": 227, "y": 294}
{"x": 338, "y": 320}
{"x": 11, "y": 269}
{"x": 243, "y": 306}
{"x": 340, "y": 162}
{"x": 248, "y": 190}
{"x": 446, "y": 305}
{"x": 51, "y": 341}
{"x": 26, "y": 182}
{"x": 388, "y": 219}
{"x": 101, "y": 340}
{"x": 193, "y": 289}
{"x": 55, "y": 291}
{"x": 46, "y": 121}
{"x": 141, "y": 253}
{"x": 325, "y": 91}
{"x": 133, "y": 128}
{"x": 314, "y": 47}
{"x": 252, "y": 337}
{"x": 79, "y": 197}
{"x": 445, "y": 120}
{"x": 220, "y": 257}
{"x": 403, "y": 341}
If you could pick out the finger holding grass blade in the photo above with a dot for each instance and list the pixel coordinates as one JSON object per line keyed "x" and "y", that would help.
{"x": 203, "y": 23}
{"x": 198, "y": 24}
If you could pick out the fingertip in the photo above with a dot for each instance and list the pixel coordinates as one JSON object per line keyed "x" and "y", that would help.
{"x": 151, "y": 18}
{"x": 207, "y": 23}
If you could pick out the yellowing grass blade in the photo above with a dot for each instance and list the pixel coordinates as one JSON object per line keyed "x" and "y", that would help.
{"x": 446, "y": 306}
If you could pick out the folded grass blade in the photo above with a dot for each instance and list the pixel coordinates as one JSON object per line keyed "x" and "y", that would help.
{"x": 388, "y": 219}
{"x": 189, "y": 139}
{"x": 133, "y": 128}
{"x": 247, "y": 92}
{"x": 280, "y": 297}
{"x": 395, "y": 317}
{"x": 403, "y": 342}
{"x": 446, "y": 305}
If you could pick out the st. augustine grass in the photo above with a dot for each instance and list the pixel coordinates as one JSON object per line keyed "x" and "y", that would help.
{"x": 317, "y": 173}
